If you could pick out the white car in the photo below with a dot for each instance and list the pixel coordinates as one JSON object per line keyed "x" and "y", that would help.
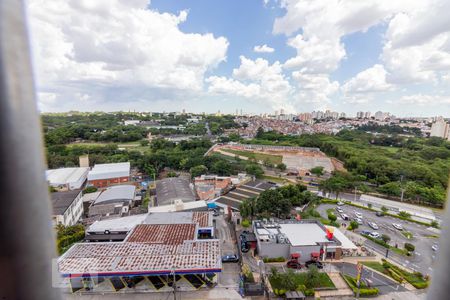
{"x": 397, "y": 226}
{"x": 359, "y": 221}
{"x": 358, "y": 215}
{"x": 374, "y": 235}
{"x": 373, "y": 225}
{"x": 435, "y": 247}
{"x": 339, "y": 210}
{"x": 344, "y": 217}
{"x": 340, "y": 203}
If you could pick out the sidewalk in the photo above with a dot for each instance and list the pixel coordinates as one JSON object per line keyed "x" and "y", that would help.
{"x": 341, "y": 286}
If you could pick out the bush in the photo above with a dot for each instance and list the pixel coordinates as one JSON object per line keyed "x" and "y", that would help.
{"x": 384, "y": 209}
{"x": 245, "y": 223}
{"x": 434, "y": 224}
{"x": 274, "y": 259}
{"x": 385, "y": 238}
{"x": 396, "y": 276}
{"x": 89, "y": 189}
{"x": 353, "y": 225}
{"x": 332, "y": 217}
{"x": 410, "y": 247}
{"x": 404, "y": 214}
{"x": 368, "y": 292}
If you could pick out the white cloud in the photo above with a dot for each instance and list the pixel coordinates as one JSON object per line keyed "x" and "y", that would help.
{"x": 118, "y": 43}
{"x": 263, "y": 49}
{"x": 422, "y": 99}
{"x": 314, "y": 88}
{"x": 371, "y": 80}
{"x": 258, "y": 80}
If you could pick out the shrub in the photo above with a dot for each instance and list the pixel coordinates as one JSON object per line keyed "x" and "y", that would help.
{"x": 404, "y": 214}
{"x": 353, "y": 225}
{"x": 368, "y": 292}
{"x": 434, "y": 224}
{"x": 328, "y": 201}
{"x": 396, "y": 276}
{"x": 89, "y": 189}
{"x": 410, "y": 247}
{"x": 273, "y": 259}
{"x": 245, "y": 223}
{"x": 332, "y": 217}
{"x": 384, "y": 209}
{"x": 369, "y": 205}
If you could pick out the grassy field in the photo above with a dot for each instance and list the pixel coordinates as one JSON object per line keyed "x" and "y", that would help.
{"x": 136, "y": 146}
{"x": 273, "y": 159}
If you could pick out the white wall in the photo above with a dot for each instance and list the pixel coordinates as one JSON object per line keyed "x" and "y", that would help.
{"x": 72, "y": 214}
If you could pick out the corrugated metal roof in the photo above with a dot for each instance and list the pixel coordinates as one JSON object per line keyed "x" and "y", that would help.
{"x": 65, "y": 175}
{"x": 117, "y": 192}
{"x": 118, "y": 224}
{"x": 106, "y": 171}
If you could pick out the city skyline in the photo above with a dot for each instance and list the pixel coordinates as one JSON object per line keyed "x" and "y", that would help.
{"x": 257, "y": 56}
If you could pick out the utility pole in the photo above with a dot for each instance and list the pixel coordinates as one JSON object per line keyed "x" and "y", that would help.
{"x": 174, "y": 285}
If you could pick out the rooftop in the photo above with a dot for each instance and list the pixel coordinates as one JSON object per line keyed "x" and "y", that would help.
{"x": 117, "y": 193}
{"x": 65, "y": 175}
{"x": 167, "y": 234}
{"x": 202, "y": 218}
{"x": 140, "y": 258}
{"x": 170, "y": 189}
{"x": 184, "y": 206}
{"x": 304, "y": 234}
{"x": 118, "y": 224}
{"x": 105, "y": 171}
{"x": 62, "y": 200}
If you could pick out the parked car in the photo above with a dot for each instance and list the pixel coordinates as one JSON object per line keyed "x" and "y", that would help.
{"x": 292, "y": 264}
{"x": 374, "y": 235}
{"x": 316, "y": 263}
{"x": 340, "y": 203}
{"x": 435, "y": 247}
{"x": 359, "y": 221}
{"x": 373, "y": 225}
{"x": 365, "y": 232}
{"x": 344, "y": 217}
{"x": 379, "y": 214}
{"x": 397, "y": 226}
{"x": 339, "y": 210}
{"x": 232, "y": 258}
{"x": 358, "y": 215}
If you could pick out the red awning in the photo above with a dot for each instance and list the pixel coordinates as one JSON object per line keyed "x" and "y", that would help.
{"x": 315, "y": 254}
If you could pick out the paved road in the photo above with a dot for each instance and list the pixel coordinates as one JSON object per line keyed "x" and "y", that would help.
{"x": 383, "y": 284}
{"x": 424, "y": 256}
{"x": 230, "y": 271}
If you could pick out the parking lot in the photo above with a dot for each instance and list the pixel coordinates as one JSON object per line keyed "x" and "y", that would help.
{"x": 422, "y": 239}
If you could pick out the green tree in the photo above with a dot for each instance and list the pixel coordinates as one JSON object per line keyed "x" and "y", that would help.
{"x": 255, "y": 170}
{"x": 272, "y": 202}
{"x": 385, "y": 238}
{"x": 281, "y": 167}
{"x": 144, "y": 143}
{"x": 384, "y": 209}
{"x": 198, "y": 170}
{"x": 353, "y": 225}
{"x": 332, "y": 217}
{"x": 312, "y": 277}
{"x": 221, "y": 168}
{"x": 434, "y": 224}
{"x": 247, "y": 208}
{"x": 318, "y": 171}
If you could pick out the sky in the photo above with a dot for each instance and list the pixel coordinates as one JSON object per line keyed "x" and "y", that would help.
{"x": 258, "y": 56}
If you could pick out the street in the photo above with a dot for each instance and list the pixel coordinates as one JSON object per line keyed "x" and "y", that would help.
{"x": 422, "y": 239}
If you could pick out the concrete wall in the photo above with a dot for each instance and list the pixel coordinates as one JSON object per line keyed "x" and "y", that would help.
{"x": 273, "y": 250}
{"x": 305, "y": 251}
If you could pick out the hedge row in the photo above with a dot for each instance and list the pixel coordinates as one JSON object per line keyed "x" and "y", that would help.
{"x": 416, "y": 279}
{"x": 274, "y": 259}
{"x": 364, "y": 291}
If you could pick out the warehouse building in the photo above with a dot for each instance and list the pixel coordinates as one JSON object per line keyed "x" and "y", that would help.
{"x": 114, "y": 200}
{"x": 103, "y": 175}
{"x": 67, "y": 207}
{"x": 174, "y": 188}
{"x": 158, "y": 251}
{"x": 67, "y": 179}
{"x": 307, "y": 238}
{"x": 233, "y": 199}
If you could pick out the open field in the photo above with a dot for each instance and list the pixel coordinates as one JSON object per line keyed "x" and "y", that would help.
{"x": 273, "y": 159}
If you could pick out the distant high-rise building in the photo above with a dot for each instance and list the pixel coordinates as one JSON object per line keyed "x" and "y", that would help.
{"x": 367, "y": 115}
{"x": 342, "y": 115}
{"x": 440, "y": 129}
{"x": 379, "y": 115}
{"x": 360, "y": 114}
{"x": 281, "y": 111}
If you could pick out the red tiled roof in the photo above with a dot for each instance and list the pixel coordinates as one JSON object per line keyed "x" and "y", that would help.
{"x": 169, "y": 234}
{"x": 201, "y": 218}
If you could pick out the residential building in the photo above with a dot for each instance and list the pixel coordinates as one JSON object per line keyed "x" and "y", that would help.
{"x": 211, "y": 186}
{"x": 440, "y": 128}
{"x": 308, "y": 239}
{"x": 67, "y": 179}
{"x": 103, "y": 175}
{"x": 67, "y": 207}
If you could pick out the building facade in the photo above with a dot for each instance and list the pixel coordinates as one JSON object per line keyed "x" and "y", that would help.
{"x": 67, "y": 207}
{"x": 103, "y": 175}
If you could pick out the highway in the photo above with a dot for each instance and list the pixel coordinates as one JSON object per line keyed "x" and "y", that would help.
{"x": 422, "y": 239}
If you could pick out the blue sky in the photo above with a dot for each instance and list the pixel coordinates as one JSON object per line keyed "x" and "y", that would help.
{"x": 201, "y": 55}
